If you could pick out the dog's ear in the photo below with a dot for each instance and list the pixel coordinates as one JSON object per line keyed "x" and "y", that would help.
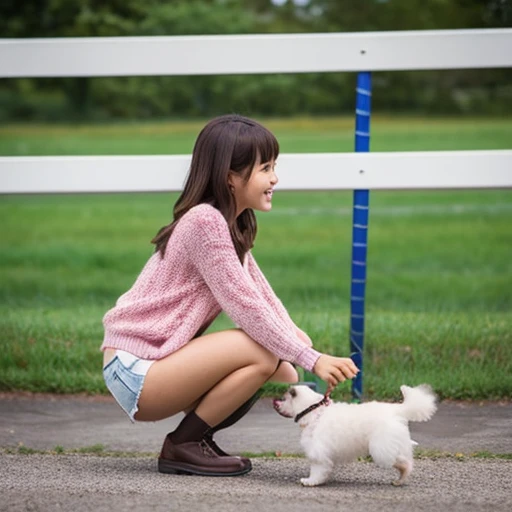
{"x": 293, "y": 392}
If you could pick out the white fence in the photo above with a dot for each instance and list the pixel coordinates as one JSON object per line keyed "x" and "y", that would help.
{"x": 252, "y": 54}
{"x": 312, "y": 171}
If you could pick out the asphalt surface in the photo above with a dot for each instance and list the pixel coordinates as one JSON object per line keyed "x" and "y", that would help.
{"x": 43, "y": 481}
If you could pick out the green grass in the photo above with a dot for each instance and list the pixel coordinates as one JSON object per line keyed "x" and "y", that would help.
{"x": 99, "y": 450}
{"x": 298, "y": 135}
{"x": 439, "y": 294}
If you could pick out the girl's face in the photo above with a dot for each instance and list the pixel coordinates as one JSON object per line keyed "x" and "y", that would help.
{"x": 257, "y": 192}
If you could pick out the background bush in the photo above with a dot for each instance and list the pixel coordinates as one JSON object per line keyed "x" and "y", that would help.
{"x": 428, "y": 92}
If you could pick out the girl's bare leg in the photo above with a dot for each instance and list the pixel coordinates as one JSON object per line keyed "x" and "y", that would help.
{"x": 219, "y": 371}
{"x": 285, "y": 373}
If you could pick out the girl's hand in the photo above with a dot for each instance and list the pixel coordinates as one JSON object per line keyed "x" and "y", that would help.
{"x": 334, "y": 370}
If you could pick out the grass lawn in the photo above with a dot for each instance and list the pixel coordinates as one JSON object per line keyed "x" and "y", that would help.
{"x": 439, "y": 295}
{"x": 302, "y": 135}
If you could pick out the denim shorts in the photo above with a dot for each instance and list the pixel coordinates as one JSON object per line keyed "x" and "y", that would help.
{"x": 124, "y": 376}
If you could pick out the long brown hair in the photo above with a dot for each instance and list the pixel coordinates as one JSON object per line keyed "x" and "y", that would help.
{"x": 229, "y": 143}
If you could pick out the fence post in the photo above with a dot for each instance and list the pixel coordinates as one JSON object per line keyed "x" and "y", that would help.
{"x": 360, "y": 234}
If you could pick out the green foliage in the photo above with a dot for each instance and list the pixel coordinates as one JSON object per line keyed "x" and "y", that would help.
{"x": 457, "y": 91}
{"x": 68, "y": 18}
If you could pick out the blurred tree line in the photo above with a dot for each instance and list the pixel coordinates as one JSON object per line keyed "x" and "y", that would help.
{"x": 472, "y": 92}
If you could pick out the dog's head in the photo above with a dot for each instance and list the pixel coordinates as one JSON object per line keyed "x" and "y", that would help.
{"x": 296, "y": 400}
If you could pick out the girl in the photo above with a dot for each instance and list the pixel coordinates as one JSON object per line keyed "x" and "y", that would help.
{"x": 157, "y": 361}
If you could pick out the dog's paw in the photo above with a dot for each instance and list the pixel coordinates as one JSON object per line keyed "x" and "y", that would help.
{"x": 309, "y": 482}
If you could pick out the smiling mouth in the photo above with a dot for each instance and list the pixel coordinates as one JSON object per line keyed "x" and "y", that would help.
{"x": 269, "y": 193}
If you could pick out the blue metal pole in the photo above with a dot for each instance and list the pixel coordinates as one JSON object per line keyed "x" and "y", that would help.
{"x": 360, "y": 234}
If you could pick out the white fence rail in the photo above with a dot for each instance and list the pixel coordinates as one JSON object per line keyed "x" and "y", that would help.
{"x": 313, "y": 171}
{"x": 253, "y": 54}
{"x": 245, "y": 54}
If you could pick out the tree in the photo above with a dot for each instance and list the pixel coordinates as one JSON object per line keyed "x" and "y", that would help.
{"x": 259, "y": 94}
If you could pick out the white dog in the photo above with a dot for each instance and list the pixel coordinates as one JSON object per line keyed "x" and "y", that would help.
{"x": 340, "y": 432}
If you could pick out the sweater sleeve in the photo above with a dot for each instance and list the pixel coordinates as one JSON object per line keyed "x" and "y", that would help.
{"x": 209, "y": 246}
{"x": 268, "y": 293}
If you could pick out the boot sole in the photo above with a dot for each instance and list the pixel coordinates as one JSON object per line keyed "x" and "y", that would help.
{"x": 181, "y": 468}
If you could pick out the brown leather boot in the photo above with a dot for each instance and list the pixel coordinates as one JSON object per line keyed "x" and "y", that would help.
{"x": 208, "y": 439}
{"x": 197, "y": 458}
{"x": 230, "y": 420}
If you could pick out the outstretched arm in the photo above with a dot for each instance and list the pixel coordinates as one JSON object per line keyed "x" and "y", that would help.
{"x": 208, "y": 244}
{"x": 268, "y": 293}
{"x": 331, "y": 369}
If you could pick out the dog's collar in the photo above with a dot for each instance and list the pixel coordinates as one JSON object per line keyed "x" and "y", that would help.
{"x": 325, "y": 401}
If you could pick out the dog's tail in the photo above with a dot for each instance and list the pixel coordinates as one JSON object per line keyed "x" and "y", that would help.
{"x": 420, "y": 403}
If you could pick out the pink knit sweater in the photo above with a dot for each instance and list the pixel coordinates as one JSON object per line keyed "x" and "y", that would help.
{"x": 177, "y": 296}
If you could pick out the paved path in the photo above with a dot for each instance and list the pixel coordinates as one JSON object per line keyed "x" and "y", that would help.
{"x": 41, "y": 482}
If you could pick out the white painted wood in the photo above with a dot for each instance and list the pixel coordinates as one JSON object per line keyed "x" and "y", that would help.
{"x": 398, "y": 170}
{"x": 245, "y": 54}
{"x": 92, "y": 174}
{"x": 311, "y": 171}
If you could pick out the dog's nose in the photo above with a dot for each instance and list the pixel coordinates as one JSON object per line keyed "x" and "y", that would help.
{"x": 276, "y": 403}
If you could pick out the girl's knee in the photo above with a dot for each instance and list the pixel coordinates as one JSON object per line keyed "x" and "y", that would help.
{"x": 265, "y": 360}
{"x": 285, "y": 373}
{"x": 268, "y": 367}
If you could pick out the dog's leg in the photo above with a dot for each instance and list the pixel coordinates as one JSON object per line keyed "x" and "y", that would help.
{"x": 318, "y": 474}
{"x": 404, "y": 467}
